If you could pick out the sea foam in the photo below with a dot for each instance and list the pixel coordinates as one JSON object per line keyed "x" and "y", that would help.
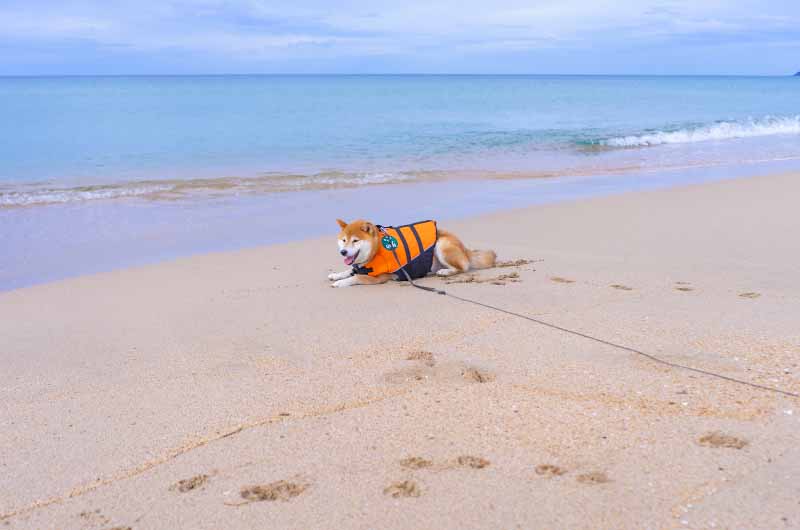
{"x": 724, "y": 130}
{"x": 62, "y": 196}
{"x": 174, "y": 188}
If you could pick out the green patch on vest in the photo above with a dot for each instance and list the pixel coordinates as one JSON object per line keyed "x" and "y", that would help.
{"x": 389, "y": 242}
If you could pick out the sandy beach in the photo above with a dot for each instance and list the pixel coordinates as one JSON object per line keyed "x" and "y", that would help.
{"x": 238, "y": 390}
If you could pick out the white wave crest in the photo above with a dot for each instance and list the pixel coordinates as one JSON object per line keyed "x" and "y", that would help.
{"x": 718, "y": 131}
{"x": 36, "y": 196}
{"x": 356, "y": 179}
{"x": 62, "y": 196}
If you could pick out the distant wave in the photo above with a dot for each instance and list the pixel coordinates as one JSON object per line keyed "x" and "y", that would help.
{"x": 724, "y": 130}
{"x": 176, "y": 188}
{"x": 67, "y": 195}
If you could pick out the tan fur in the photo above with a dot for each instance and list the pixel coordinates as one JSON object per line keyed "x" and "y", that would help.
{"x": 363, "y": 237}
{"x": 363, "y": 230}
{"x": 481, "y": 259}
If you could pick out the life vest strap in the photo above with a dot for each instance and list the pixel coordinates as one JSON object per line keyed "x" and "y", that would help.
{"x": 360, "y": 269}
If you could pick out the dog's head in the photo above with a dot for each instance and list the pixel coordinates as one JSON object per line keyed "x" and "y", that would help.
{"x": 358, "y": 241}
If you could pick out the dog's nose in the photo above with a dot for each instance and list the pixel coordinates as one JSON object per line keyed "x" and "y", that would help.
{"x": 343, "y": 252}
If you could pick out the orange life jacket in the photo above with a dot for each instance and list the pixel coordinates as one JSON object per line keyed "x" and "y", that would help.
{"x": 409, "y": 247}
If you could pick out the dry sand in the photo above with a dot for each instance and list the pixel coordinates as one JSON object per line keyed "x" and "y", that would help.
{"x": 239, "y": 390}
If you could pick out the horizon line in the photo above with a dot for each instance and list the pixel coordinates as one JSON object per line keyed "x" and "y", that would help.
{"x": 384, "y": 74}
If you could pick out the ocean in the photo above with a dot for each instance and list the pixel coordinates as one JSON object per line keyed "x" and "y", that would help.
{"x": 94, "y": 170}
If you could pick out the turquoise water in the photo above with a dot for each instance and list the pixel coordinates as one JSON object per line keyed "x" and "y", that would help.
{"x": 98, "y": 173}
{"x": 98, "y": 138}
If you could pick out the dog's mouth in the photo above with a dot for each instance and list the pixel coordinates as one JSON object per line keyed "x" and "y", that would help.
{"x": 349, "y": 260}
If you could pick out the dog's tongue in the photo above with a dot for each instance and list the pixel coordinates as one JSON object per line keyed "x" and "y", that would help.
{"x": 349, "y": 260}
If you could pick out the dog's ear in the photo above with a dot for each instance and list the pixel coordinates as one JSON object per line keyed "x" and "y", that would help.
{"x": 369, "y": 228}
{"x": 342, "y": 224}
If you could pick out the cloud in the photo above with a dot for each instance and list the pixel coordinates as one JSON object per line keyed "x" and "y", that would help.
{"x": 419, "y": 31}
{"x": 33, "y": 26}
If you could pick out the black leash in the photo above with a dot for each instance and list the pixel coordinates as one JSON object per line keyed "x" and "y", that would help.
{"x": 602, "y": 341}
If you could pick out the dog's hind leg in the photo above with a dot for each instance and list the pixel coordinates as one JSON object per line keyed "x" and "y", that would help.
{"x": 452, "y": 256}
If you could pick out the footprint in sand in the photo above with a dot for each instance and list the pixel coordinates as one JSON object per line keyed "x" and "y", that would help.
{"x": 463, "y": 461}
{"x": 97, "y": 518}
{"x": 94, "y": 517}
{"x": 501, "y": 279}
{"x": 406, "y": 488}
{"x": 452, "y": 372}
{"x": 749, "y": 295}
{"x": 559, "y": 279}
{"x": 514, "y": 263}
{"x": 415, "y": 462}
{"x": 188, "y": 484}
{"x": 717, "y": 440}
{"x": 425, "y": 357}
{"x": 621, "y": 287}
{"x": 474, "y": 462}
{"x": 595, "y": 477}
{"x": 476, "y": 376}
{"x": 282, "y": 490}
{"x": 549, "y": 470}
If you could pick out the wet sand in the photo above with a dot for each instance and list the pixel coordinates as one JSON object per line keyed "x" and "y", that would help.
{"x": 56, "y": 242}
{"x": 239, "y": 390}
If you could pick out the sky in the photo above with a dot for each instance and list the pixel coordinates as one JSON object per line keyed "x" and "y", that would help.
{"x": 84, "y": 37}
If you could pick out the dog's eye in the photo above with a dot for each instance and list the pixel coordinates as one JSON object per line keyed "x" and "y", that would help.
{"x": 355, "y": 240}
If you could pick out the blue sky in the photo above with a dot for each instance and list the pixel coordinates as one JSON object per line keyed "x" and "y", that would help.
{"x": 428, "y": 36}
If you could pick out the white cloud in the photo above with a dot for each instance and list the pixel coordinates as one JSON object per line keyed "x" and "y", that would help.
{"x": 253, "y": 29}
{"x": 29, "y": 25}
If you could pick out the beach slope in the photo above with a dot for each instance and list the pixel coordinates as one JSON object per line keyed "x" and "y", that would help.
{"x": 239, "y": 390}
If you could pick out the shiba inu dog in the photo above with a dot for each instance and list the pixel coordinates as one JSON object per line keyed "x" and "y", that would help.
{"x": 376, "y": 254}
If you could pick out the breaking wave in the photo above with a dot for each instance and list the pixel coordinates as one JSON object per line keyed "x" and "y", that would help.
{"x": 36, "y": 195}
{"x": 66, "y": 195}
{"x": 723, "y": 130}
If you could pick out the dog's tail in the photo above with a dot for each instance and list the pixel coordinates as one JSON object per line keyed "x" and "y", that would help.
{"x": 481, "y": 259}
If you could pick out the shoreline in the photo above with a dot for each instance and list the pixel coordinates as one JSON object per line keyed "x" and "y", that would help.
{"x": 57, "y": 242}
{"x": 18, "y": 195}
{"x": 157, "y": 395}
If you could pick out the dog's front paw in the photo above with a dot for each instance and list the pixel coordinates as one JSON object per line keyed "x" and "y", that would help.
{"x": 347, "y": 282}
{"x": 339, "y": 275}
